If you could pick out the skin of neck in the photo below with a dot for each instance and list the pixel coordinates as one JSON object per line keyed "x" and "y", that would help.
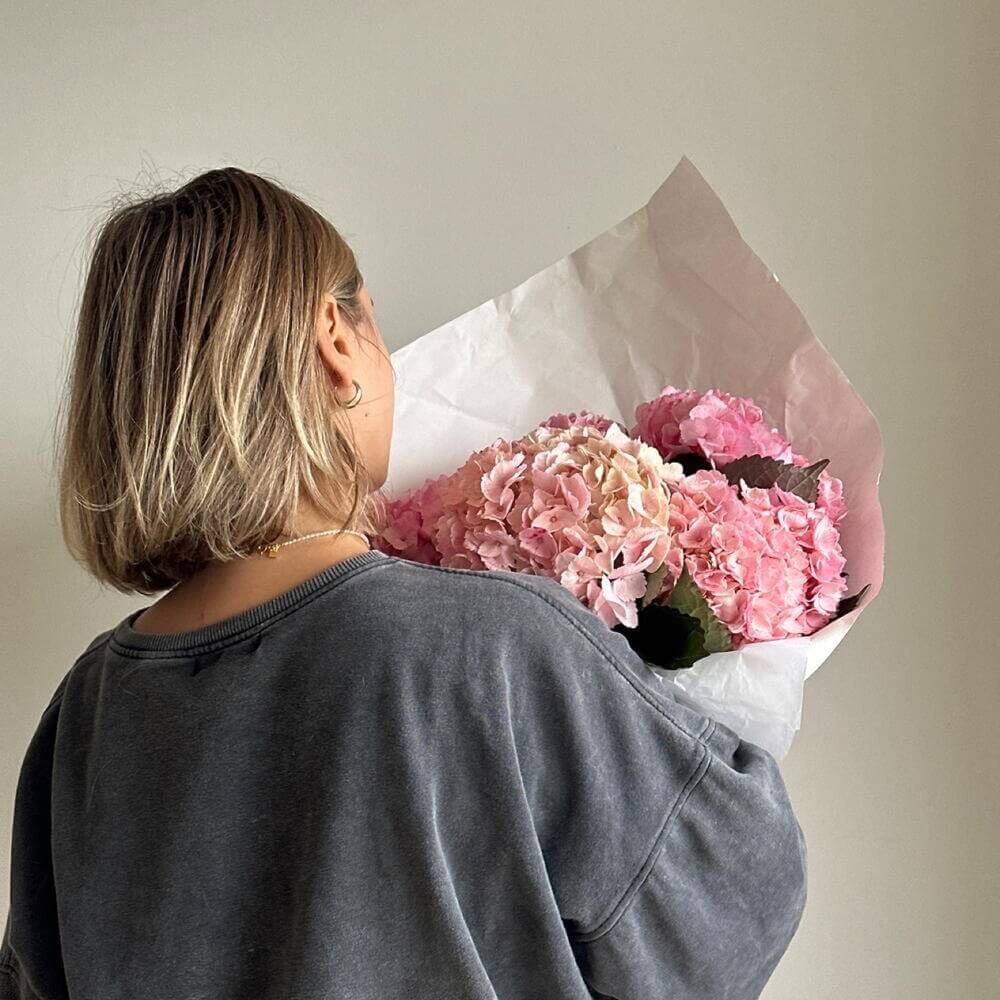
{"x": 222, "y": 589}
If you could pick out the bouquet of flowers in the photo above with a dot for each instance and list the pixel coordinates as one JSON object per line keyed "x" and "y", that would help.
{"x": 691, "y": 525}
{"x": 697, "y": 531}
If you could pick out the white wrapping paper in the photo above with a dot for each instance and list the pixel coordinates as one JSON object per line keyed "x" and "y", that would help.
{"x": 670, "y": 295}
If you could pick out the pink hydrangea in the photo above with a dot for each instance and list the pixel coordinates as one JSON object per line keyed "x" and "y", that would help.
{"x": 588, "y": 508}
{"x": 768, "y": 562}
{"x": 410, "y": 519}
{"x": 581, "y": 419}
{"x": 714, "y": 424}
{"x": 721, "y": 427}
{"x": 829, "y": 492}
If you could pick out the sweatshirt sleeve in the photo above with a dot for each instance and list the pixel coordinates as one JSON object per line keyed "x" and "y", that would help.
{"x": 673, "y": 850}
{"x": 30, "y": 952}
{"x": 713, "y": 911}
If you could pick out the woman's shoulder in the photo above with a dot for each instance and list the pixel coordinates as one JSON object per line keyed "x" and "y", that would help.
{"x": 538, "y": 630}
{"x": 504, "y": 586}
{"x": 527, "y": 599}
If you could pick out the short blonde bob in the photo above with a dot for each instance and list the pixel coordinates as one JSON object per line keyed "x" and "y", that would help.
{"x": 197, "y": 409}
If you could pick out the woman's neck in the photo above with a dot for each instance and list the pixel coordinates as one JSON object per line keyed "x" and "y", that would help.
{"x": 223, "y": 589}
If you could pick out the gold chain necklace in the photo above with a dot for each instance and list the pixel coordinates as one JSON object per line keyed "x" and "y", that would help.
{"x": 272, "y": 550}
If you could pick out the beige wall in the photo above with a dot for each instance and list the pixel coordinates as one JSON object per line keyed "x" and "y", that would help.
{"x": 856, "y": 146}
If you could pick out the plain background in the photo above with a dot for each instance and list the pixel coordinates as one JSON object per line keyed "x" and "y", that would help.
{"x": 460, "y": 151}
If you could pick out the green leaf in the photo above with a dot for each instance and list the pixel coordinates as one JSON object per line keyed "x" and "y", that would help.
{"x": 665, "y": 636}
{"x": 687, "y": 598}
{"x": 758, "y": 471}
{"x": 677, "y": 633}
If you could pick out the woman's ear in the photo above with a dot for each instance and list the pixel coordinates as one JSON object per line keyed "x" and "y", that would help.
{"x": 337, "y": 342}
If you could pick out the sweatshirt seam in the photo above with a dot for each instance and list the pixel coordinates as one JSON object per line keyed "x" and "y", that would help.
{"x": 214, "y": 645}
{"x": 621, "y": 906}
{"x": 622, "y": 671}
{"x": 698, "y": 772}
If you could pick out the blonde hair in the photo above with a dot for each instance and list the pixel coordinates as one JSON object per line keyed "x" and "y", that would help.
{"x": 197, "y": 407}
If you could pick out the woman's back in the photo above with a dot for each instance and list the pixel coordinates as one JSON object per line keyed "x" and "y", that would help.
{"x": 395, "y": 780}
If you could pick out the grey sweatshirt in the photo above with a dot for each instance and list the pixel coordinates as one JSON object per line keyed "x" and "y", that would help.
{"x": 394, "y": 780}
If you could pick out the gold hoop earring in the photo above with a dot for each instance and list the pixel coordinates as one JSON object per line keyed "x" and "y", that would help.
{"x": 354, "y": 400}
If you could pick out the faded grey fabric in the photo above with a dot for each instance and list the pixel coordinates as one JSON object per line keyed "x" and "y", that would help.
{"x": 394, "y": 780}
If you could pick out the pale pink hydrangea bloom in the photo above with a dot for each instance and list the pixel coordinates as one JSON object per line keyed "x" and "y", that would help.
{"x": 769, "y": 564}
{"x": 589, "y": 509}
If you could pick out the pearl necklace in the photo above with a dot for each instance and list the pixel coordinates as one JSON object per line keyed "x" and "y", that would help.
{"x": 272, "y": 550}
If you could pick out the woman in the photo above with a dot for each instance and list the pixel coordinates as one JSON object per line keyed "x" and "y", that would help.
{"x": 312, "y": 769}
